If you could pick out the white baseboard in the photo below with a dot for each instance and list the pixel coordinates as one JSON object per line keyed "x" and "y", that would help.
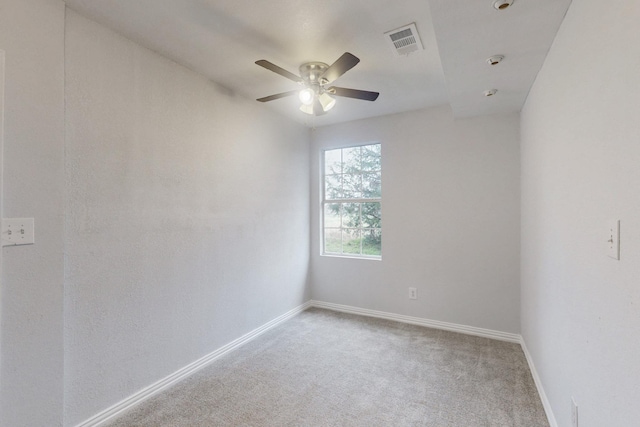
{"x": 541, "y": 392}
{"x": 180, "y": 374}
{"x": 436, "y": 324}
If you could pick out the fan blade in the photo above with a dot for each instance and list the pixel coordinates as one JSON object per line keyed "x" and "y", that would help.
{"x": 346, "y": 62}
{"x": 278, "y": 70}
{"x": 277, "y": 96}
{"x": 365, "y": 95}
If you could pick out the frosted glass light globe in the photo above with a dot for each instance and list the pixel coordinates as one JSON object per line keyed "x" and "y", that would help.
{"x": 306, "y": 96}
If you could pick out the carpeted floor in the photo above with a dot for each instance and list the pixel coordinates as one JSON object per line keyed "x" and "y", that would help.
{"x": 323, "y": 368}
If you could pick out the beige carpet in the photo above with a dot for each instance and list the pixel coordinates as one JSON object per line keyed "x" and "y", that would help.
{"x": 323, "y": 368}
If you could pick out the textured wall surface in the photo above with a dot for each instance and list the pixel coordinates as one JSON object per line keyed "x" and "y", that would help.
{"x": 187, "y": 217}
{"x": 450, "y": 215}
{"x": 31, "y": 286}
{"x": 580, "y": 169}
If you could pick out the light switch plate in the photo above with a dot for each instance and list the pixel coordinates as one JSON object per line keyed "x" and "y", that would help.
{"x": 613, "y": 239}
{"x": 17, "y": 231}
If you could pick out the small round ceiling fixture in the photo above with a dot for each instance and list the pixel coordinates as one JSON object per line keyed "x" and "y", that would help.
{"x": 502, "y": 4}
{"x": 490, "y": 92}
{"x": 495, "y": 59}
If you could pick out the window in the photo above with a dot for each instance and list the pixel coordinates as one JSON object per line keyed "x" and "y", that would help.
{"x": 352, "y": 202}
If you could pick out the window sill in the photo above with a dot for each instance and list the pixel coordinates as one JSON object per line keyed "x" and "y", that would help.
{"x": 364, "y": 257}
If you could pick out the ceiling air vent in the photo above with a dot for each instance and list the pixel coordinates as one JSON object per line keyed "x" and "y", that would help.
{"x": 404, "y": 40}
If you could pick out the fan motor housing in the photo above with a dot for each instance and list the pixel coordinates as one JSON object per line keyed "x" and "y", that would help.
{"x": 310, "y": 72}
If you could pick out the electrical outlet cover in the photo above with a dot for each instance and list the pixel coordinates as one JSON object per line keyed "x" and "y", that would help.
{"x": 613, "y": 239}
{"x": 574, "y": 413}
{"x": 17, "y": 231}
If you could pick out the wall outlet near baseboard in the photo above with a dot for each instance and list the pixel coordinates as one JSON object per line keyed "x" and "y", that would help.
{"x": 413, "y": 293}
{"x": 574, "y": 412}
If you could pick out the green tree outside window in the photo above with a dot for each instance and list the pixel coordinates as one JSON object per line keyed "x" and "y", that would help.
{"x": 352, "y": 202}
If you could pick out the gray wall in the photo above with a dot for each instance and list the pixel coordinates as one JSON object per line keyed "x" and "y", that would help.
{"x": 450, "y": 215}
{"x": 187, "y": 217}
{"x": 187, "y": 223}
{"x": 169, "y": 195}
{"x": 580, "y": 169}
{"x": 31, "y": 284}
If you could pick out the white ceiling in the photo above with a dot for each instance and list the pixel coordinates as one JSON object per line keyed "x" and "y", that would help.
{"x": 223, "y": 38}
{"x": 470, "y": 31}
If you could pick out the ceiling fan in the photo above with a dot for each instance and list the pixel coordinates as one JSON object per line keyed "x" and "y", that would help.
{"x": 316, "y": 97}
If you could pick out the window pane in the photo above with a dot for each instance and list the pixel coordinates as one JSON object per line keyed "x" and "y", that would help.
{"x": 351, "y": 158}
{"x": 371, "y": 158}
{"x": 371, "y": 215}
{"x": 332, "y": 215}
{"x": 351, "y": 241}
{"x": 332, "y": 240}
{"x": 351, "y": 215}
{"x": 332, "y": 161}
{"x": 353, "y": 228}
{"x": 371, "y": 185}
{"x": 372, "y": 242}
{"x": 352, "y": 186}
{"x": 333, "y": 186}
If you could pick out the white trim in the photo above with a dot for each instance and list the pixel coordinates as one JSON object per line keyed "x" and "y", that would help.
{"x": 149, "y": 391}
{"x": 2, "y": 62}
{"x": 536, "y": 378}
{"x": 182, "y": 373}
{"x": 350, "y": 256}
{"x": 436, "y": 324}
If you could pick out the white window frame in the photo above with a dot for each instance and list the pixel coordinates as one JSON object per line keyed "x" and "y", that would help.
{"x": 324, "y": 201}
